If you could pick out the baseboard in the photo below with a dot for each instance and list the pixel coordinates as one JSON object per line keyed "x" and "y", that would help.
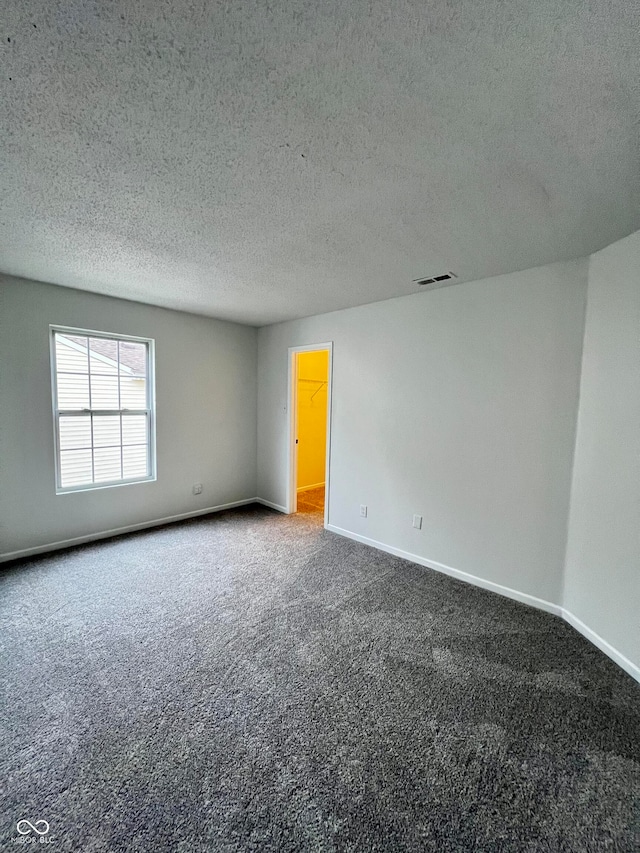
{"x": 514, "y": 594}
{"x": 548, "y": 606}
{"x": 309, "y": 488}
{"x": 271, "y": 505}
{"x": 117, "y": 531}
{"x": 609, "y": 650}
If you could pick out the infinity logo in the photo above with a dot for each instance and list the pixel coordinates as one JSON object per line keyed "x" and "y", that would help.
{"x": 24, "y": 827}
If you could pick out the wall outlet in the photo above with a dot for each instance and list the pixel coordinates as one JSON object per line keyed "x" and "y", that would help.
{"x": 363, "y": 510}
{"x": 197, "y": 488}
{"x": 417, "y": 522}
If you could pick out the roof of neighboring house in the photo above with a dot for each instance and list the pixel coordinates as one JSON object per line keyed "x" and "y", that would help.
{"x": 132, "y": 355}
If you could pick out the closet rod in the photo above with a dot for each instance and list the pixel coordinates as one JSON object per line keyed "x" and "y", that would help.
{"x": 319, "y": 382}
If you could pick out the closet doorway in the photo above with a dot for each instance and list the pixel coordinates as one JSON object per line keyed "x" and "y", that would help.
{"x": 309, "y": 430}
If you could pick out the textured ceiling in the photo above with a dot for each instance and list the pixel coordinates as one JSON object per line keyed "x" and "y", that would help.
{"x": 259, "y": 161}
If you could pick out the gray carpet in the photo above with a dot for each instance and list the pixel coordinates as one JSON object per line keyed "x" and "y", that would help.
{"x": 251, "y": 682}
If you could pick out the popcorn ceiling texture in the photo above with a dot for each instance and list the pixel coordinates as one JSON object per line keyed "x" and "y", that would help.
{"x": 260, "y": 162}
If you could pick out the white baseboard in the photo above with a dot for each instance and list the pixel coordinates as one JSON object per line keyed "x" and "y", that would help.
{"x": 515, "y": 594}
{"x": 548, "y": 606}
{"x": 308, "y": 488}
{"x": 117, "y": 531}
{"x": 271, "y": 505}
{"x": 609, "y": 650}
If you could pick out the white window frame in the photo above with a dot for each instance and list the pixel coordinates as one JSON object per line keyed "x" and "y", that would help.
{"x": 150, "y": 411}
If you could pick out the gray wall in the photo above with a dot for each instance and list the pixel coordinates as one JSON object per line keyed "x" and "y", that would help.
{"x": 602, "y": 580}
{"x": 206, "y": 415}
{"x": 460, "y": 405}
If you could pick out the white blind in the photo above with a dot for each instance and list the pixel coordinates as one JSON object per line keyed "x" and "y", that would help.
{"x": 103, "y": 411}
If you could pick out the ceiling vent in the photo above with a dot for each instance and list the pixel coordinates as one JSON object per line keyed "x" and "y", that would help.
{"x": 435, "y": 280}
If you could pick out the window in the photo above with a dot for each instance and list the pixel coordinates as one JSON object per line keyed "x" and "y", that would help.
{"x": 103, "y": 409}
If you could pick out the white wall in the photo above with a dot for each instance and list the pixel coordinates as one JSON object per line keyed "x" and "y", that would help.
{"x": 206, "y": 415}
{"x": 458, "y": 404}
{"x": 602, "y": 579}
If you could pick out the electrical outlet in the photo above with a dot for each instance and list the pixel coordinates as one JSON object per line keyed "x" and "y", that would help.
{"x": 197, "y": 488}
{"x": 417, "y": 522}
{"x": 363, "y": 510}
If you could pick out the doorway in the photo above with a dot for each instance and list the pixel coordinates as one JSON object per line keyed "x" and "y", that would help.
{"x": 310, "y": 370}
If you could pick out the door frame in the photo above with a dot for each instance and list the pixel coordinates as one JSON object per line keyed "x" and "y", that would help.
{"x": 292, "y": 398}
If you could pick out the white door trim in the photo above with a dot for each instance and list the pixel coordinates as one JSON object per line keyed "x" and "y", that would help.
{"x": 292, "y": 402}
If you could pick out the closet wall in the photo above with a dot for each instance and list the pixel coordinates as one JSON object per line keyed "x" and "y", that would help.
{"x": 312, "y": 371}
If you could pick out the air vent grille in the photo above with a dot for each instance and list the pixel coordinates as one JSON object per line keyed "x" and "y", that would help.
{"x": 437, "y": 280}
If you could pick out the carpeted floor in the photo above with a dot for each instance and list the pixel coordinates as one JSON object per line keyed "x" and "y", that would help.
{"x": 252, "y": 682}
{"x": 311, "y": 501}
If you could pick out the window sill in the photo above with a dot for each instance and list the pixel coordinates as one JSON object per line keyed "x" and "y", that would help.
{"x": 92, "y": 487}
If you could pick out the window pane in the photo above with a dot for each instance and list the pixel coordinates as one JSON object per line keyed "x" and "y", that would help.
{"x": 73, "y": 391}
{"x": 134, "y": 459}
{"x": 104, "y": 392}
{"x": 133, "y": 359}
{"x": 75, "y": 467}
{"x": 106, "y": 430}
{"x": 104, "y": 355}
{"x": 101, "y": 373}
{"x": 134, "y": 429}
{"x": 133, "y": 393}
{"x": 75, "y": 432}
{"x": 106, "y": 464}
{"x": 70, "y": 358}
